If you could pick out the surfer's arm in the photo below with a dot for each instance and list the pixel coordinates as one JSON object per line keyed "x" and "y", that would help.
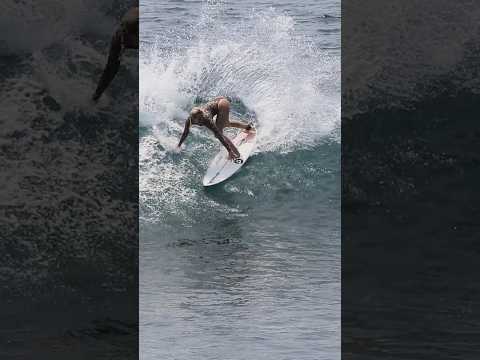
{"x": 232, "y": 150}
{"x": 186, "y": 130}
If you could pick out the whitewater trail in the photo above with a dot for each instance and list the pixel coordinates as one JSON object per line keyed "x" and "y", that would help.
{"x": 287, "y": 86}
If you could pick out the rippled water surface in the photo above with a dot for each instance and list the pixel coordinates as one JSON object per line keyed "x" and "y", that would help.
{"x": 249, "y": 269}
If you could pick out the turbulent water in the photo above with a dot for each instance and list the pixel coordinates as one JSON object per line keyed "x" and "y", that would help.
{"x": 249, "y": 269}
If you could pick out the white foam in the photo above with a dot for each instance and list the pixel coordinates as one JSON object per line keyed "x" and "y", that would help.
{"x": 292, "y": 88}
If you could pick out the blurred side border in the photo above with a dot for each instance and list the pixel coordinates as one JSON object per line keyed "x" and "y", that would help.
{"x": 410, "y": 175}
{"x": 69, "y": 184}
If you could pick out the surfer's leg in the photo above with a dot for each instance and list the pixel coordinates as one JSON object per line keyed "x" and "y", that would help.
{"x": 223, "y": 114}
{"x": 239, "y": 125}
{"x": 223, "y": 117}
{"x": 113, "y": 64}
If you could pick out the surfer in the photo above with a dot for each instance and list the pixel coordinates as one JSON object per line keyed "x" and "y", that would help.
{"x": 204, "y": 116}
{"x": 125, "y": 37}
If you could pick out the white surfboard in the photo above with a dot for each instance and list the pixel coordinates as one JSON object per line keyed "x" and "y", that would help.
{"x": 221, "y": 168}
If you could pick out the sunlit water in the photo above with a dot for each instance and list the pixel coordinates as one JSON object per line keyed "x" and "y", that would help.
{"x": 249, "y": 269}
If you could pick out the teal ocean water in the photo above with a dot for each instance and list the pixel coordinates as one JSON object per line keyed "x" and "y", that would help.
{"x": 249, "y": 269}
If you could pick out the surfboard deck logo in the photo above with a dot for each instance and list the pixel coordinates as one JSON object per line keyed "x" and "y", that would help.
{"x": 221, "y": 167}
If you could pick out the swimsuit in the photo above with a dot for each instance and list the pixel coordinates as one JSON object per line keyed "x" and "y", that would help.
{"x": 211, "y": 108}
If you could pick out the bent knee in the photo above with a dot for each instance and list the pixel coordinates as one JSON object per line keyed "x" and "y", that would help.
{"x": 224, "y": 104}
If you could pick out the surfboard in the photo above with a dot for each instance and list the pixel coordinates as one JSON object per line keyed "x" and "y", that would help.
{"x": 221, "y": 167}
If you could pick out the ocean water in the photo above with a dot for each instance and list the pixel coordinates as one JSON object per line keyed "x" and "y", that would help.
{"x": 410, "y": 171}
{"x": 249, "y": 269}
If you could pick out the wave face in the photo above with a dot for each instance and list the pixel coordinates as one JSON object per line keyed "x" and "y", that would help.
{"x": 283, "y": 82}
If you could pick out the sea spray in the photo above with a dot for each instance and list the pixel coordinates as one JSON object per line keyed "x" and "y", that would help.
{"x": 291, "y": 87}
{"x": 275, "y": 77}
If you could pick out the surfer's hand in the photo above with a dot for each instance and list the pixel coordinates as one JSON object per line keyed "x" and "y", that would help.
{"x": 177, "y": 149}
{"x": 232, "y": 155}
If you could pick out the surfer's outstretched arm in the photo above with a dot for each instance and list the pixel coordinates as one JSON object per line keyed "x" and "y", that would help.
{"x": 113, "y": 64}
{"x": 186, "y": 130}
